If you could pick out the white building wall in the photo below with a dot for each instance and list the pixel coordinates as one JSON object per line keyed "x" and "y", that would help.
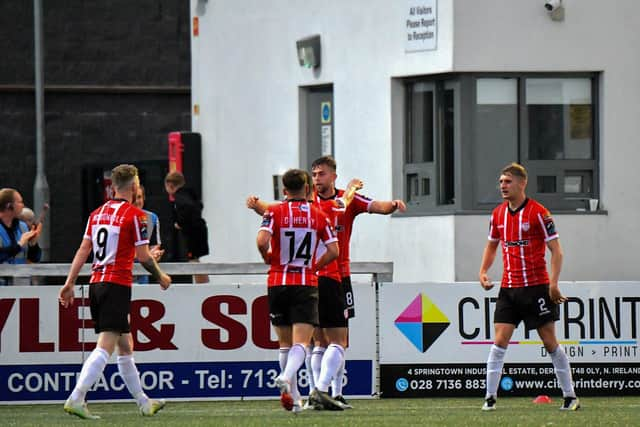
{"x": 508, "y": 35}
{"x": 246, "y": 83}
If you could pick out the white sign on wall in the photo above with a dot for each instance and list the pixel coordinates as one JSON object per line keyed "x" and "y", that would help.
{"x": 421, "y": 25}
{"x": 327, "y": 146}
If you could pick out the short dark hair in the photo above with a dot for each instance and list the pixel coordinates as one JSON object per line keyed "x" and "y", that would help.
{"x": 325, "y": 160}
{"x": 176, "y": 178}
{"x": 294, "y": 179}
{"x": 514, "y": 169}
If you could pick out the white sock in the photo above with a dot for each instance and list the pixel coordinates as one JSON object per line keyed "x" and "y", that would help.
{"x": 336, "y": 382}
{"x": 307, "y": 365}
{"x": 494, "y": 369}
{"x": 333, "y": 358}
{"x": 316, "y": 363}
{"x": 563, "y": 372}
{"x": 295, "y": 359}
{"x": 282, "y": 359}
{"x": 131, "y": 377}
{"x": 91, "y": 370}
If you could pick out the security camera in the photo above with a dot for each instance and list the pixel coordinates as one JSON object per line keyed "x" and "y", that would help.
{"x": 552, "y": 5}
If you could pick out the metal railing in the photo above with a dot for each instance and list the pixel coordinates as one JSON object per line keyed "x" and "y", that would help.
{"x": 380, "y": 271}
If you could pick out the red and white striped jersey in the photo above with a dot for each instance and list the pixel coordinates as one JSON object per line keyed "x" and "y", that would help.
{"x": 296, "y": 227}
{"x": 524, "y": 234}
{"x": 115, "y": 229}
{"x": 359, "y": 204}
{"x": 333, "y": 208}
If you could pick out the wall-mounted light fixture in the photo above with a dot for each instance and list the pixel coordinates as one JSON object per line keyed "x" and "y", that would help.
{"x": 309, "y": 51}
{"x": 555, "y": 9}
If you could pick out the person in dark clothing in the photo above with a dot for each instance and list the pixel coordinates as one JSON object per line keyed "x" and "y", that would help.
{"x": 18, "y": 243}
{"x": 187, "y": 217}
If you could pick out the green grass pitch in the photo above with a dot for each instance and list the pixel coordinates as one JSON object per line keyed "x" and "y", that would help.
{"x": 609, "y": 411}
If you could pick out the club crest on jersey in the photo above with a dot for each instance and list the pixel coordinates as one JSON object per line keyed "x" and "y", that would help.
{"x": 266, "y": 219}
{"x": 550, "y": 226}
{"x": 525, "y": 226}
{"x": 143, "y": 227}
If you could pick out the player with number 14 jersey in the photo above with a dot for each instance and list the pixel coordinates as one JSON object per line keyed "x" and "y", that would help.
{"x": 299, "y": 227}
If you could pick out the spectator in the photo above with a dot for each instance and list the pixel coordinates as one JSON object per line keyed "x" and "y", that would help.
{"x": 17, "y": 242}
{"x": 155, "y": 242}
{"x": 28, "y": 217}
{"x": 187, "y": 218}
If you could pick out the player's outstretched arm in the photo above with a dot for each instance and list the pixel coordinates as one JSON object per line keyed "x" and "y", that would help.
{"x": 488, "y": 256}
{"x": 149, "y": 263}
{"x": 387, "y": 207}
{"x": 65, "y": 296}
{"x": 257, "y": 205}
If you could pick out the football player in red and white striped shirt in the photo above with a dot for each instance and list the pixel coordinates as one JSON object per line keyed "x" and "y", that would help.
{"x": 324, "y": 175}
{"x": 528, "y": 293}
{"x": 115, "y": 233}
{"x": 288, "y": 240}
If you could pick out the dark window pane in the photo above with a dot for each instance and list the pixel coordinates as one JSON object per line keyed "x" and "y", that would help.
{"x": 413, "y": 189}
{"x": 448, "y": 187}
{"x": 420, "y": 141}
{"x": 426, "y": 186}
{"x": 545, "y": 132}
{"x": 546, "y": 184}
{"x": 560, "y": 118}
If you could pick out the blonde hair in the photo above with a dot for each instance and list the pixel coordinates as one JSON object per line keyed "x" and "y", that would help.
{"x": 27, "y": 215}
{"x": 514, "y": 169}
{"x": 123, "y": 175}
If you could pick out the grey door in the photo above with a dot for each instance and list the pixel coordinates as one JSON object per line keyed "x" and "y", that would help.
{"x": 317, "y": 117}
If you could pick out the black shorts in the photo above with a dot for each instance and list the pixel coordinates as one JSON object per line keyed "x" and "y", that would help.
{"x": 110, "y": 307}
{"x": 293, "y": 304}
{"x": 332, "y": 308}
{"x": 531, "y": 304}
{"x": 348, "y": 296}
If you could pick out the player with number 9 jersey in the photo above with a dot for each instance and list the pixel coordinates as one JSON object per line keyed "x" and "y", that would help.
{"x": 115, "y": 229}
{"x": 296, "y": 228}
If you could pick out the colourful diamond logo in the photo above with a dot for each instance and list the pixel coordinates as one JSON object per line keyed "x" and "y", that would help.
{"x": 422, "y": 322}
